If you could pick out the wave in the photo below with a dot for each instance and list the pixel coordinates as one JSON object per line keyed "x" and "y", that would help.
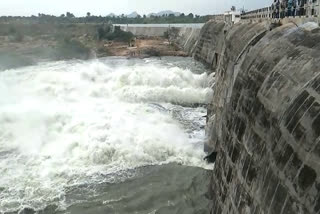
{"x": 65, "y": 123}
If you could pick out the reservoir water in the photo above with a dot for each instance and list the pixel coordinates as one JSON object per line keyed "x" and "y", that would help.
{"x": 112, "y": 135}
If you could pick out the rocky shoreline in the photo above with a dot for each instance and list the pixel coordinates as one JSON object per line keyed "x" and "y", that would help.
{"x": 30, "y": 51}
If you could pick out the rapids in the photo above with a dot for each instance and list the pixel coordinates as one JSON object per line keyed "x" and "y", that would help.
{"x": 70, "y": 129}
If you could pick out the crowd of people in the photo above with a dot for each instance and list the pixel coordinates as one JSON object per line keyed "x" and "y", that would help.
{"x": 284, "y": 8}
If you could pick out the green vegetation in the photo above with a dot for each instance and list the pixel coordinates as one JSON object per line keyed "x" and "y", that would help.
{"x": 103, "y": 31}
{"x": 89, "y": 18}
{"x": 120, "y": 35}
{"x": 71, "y": 48}
{"x": 165, "y": 19}
{"x": 116, "y": 35}
{"x": 15, "y": 35}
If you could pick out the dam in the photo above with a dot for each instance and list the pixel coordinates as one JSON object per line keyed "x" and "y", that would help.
{"x": 264, "y": 118}
{"x": 119, "y": 134}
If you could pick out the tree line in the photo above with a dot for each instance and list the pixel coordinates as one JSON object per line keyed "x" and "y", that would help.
{"x": 122, "y": 19}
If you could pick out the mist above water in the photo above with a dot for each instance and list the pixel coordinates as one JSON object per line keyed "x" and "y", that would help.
{"x": 71, "y": 123}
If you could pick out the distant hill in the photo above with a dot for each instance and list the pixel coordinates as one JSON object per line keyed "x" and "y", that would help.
{"x": 112, "y": 15}
{"x": 161, "y": 13}
{"x": 133, "y": 15}
{"x": 165, "y": 12}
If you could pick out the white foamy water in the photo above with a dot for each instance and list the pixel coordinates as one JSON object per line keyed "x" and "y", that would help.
{"x": 69, "y": 123}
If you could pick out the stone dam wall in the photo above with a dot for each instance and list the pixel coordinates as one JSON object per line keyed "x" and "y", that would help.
{"x": 145, "y": 31}
{"x": 264, "y": 119}
{"x": 160, "y": 29}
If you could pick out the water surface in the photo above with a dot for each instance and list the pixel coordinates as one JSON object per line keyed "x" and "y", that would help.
{"x": 104, "y": 136}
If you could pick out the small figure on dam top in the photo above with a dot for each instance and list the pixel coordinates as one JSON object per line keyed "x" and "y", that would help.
{"x": 283, "y": 8}
{"x": 275, "y": 9}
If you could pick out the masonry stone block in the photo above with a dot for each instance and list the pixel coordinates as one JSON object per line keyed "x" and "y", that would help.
{"x": 235, "y": 153}
{"x": 279, "y": 199}
{"x": 317, "y": 204}
{"x": 293, "y": 167}
{"x": 316, "y": 127}
{"x": 307, "y": 177}
{"x": 284, "y": 158}
{"x": 266, "y": 128}
{"x": 316, "y": 151}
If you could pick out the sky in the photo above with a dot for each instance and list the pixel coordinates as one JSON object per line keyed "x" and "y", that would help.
{"x": 105, "y": 7}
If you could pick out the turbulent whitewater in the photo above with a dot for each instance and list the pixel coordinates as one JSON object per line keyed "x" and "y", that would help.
{"x": 76, "y": 132}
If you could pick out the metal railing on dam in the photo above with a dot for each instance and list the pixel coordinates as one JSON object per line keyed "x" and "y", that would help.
{"x": 259, "y": 13}
{"x": 284, "y": 8}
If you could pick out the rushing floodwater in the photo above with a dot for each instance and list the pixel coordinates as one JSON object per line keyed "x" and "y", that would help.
{"x": 104, "y": 136}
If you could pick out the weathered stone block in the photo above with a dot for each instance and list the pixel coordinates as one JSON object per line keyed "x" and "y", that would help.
{"x": 252, "y": 173}
{"x": 300, "y": 112}
{"x": 283, "y": 157}
{"x": 293, "y": 167}
{"x": 316, "y": 127}
{"x": 299, "y": 132}
{"x": 293, "y": 109}
{"x": 306, "y": 178}
{"x": 257, "y": 210}
{"x": 256, "y": 108}
{"x": 275, "y": 133}
{"x": 219, "y": 210}
{"x": 246, "y": 166}
{"x": 314, "y": 110}
{"x": 255, "y": 145}
{"x": 271, "y": 190}
{"x": 238, "y": 194}
{"x": 229, "y": 175}
{"x": 236, "y": 153}
{"x": 315, "y": 84}
{"x": 224, "y": 194}
{"x": 237, "y": 95}
{"x": 241, "y": 129}
{"x": 317, "y": 204}
{"x": 246, "y": 102}
{"x": 316, "y": 150}
{"x": 266, "y": 180}
{"x": 279, "y": 199}
{"x": 223, "y": 162}
{"x": 290, "y": 206}
{"x": 263, "y": 118}
{"x": 268, "y": 84}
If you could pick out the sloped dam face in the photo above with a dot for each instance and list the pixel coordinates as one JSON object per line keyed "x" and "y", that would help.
{"x": 104, "y": 136}
{"x": 264, "y": 119}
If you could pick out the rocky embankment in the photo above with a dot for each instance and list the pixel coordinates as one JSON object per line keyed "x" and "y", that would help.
{"x": 27, "y": 44}
{"x": 144, "y": 47}
{"x": 264, "y": 119}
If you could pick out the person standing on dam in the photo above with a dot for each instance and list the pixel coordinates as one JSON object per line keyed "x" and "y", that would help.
{"x": 290, "y": 11}
{"x": 301, "y": 5}
{"x": 283, "y": 8}
{"x": 276, "y": 9}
